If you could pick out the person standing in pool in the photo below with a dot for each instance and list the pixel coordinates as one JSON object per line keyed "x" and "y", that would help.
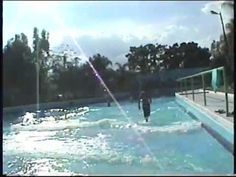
{"x": 146, "y": 102}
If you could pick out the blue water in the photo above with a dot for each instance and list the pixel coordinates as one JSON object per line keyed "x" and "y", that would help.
{"x": 103, "y": 141}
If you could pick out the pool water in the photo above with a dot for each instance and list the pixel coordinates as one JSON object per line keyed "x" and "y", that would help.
{"x": 104, "y": 142}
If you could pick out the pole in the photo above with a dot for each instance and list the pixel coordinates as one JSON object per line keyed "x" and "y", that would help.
{"x": 37, "y": 77}
{"x": 225, "y": 38}
{"x": 224, "y": 70}
{"x": 222, "y": 23}
{"x": 185, "y": 81}
{"x": 226, "y": 92}
{"x": 192, "y": 88}
{"x": 204, "y": 93}
{"x": 180, "y": 86}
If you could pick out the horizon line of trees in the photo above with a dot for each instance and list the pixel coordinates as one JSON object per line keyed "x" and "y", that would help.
{"x": 72, "y": 80}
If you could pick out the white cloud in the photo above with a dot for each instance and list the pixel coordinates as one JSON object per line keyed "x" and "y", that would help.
{"x": 111, "y": 39}
{"x": 205, "y": 41}
{"x": 56, "y": 38}
{"x": 38, "y": 7}
{"x": 196, "y": 30}
{"x": 176, "y": 33}
{"x": 116, "y": 45}
{"x": 215, "y": 5}
{"x": 126, "y": 30}
{"x": 220, "y": 6}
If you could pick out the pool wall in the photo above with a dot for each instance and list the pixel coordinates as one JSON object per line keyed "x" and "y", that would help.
{"x": 62, "y": 104}
{"x": 220, "y": 129}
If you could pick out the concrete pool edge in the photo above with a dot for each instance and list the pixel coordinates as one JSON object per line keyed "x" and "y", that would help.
{"x": 222, "y": 130}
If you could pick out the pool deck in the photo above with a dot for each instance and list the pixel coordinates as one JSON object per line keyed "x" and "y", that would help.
{"x": 214, "y": 102}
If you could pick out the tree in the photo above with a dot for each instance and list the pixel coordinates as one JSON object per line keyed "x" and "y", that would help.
{"x": 64, "y": 60}
{"x": 41, "y": 54}
{"x": 187, "y": 55}
{"x": 142, "y": 59}
{"x": 76, "y": 61}
{"x": 138, "y": 59}
{"x": 100, "y": 63}
{"x": 230, "y": 38}
{"x": 173, "y": 57}
{"x": 122, "y": 76}
{"x": 223, "y": 56}
{"x": 132, "y": 61}
{"x": 151, "y": 58}
{"x": 75, "y": 81}
{"x": 18, "y": 72}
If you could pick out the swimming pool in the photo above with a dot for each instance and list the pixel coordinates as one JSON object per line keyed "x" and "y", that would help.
{"x": 103, "y": 141}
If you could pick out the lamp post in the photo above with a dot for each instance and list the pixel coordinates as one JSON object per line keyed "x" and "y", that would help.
{"x": 37, "y": 76}
{"x": 227, "y": 54}
{"x": 222, "y": 23}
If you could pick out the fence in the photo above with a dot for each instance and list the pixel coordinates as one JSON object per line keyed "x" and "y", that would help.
{"x": 183, "y": 85}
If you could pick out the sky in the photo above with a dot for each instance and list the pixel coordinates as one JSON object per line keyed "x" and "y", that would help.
{"x": 111, "y": 27}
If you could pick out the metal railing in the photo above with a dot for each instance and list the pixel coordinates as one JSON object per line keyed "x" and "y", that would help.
{"x": 183, "y": 85}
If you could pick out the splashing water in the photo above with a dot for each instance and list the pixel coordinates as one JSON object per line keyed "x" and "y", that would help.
{"x": 105, "y": 144}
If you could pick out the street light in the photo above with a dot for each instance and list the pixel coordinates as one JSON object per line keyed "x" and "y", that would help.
{"x": 222, "y": 23}
{"x": 227, "y": 57}
{"x": 37, "y": 76}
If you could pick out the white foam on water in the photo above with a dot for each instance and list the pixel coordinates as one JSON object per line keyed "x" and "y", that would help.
{"x": 66, "y": 116}
{"x": 170, "y": 107}
{"x": 47, "y": 126}
{"x": 83, "y": 118}
{"x": 58, "y": 113}
{"x": 143, "y": 122}
{"x": 182, "y": 127}
{"x": 95, "y": 150}
{"x": 152, "y": 112}
{"x": 28, "y": 122}
{"x": 95, "y": 109}
{"x": 44, "y": 167}
{"x": 49, "y": 118}
{"x": 68, "y": 124}
{"x": 147, "y": 159}
{"x": 85, "y": 108}
{"x": 55, "y": 110}
{"x": 195, "y": 167}
{"x": 28, "y": 118}
{"x": 142, "y": 126}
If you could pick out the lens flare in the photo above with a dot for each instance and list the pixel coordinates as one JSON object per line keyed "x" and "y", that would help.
{"x": 59, "y": 20}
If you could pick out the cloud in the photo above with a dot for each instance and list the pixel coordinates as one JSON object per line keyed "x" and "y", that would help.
{"x": 126, "y": 30}
{"x": 113, "y": 47}
{"x": 205, "y": 41}
{"x": 179, "y": 33}
{"x": 215, "y": 5}
{"x": 116, "y": 45}
{"x": 114, "y": 35}
{"x": 114, "y": 40}
{"x": 225, "y": 7}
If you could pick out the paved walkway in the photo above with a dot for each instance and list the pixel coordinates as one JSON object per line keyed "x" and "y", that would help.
{"x": 214, "y": 102}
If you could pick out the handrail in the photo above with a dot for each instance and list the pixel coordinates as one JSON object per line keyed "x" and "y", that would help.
{"x": 202, "y": 74}
{"x": 198, "y": 74}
